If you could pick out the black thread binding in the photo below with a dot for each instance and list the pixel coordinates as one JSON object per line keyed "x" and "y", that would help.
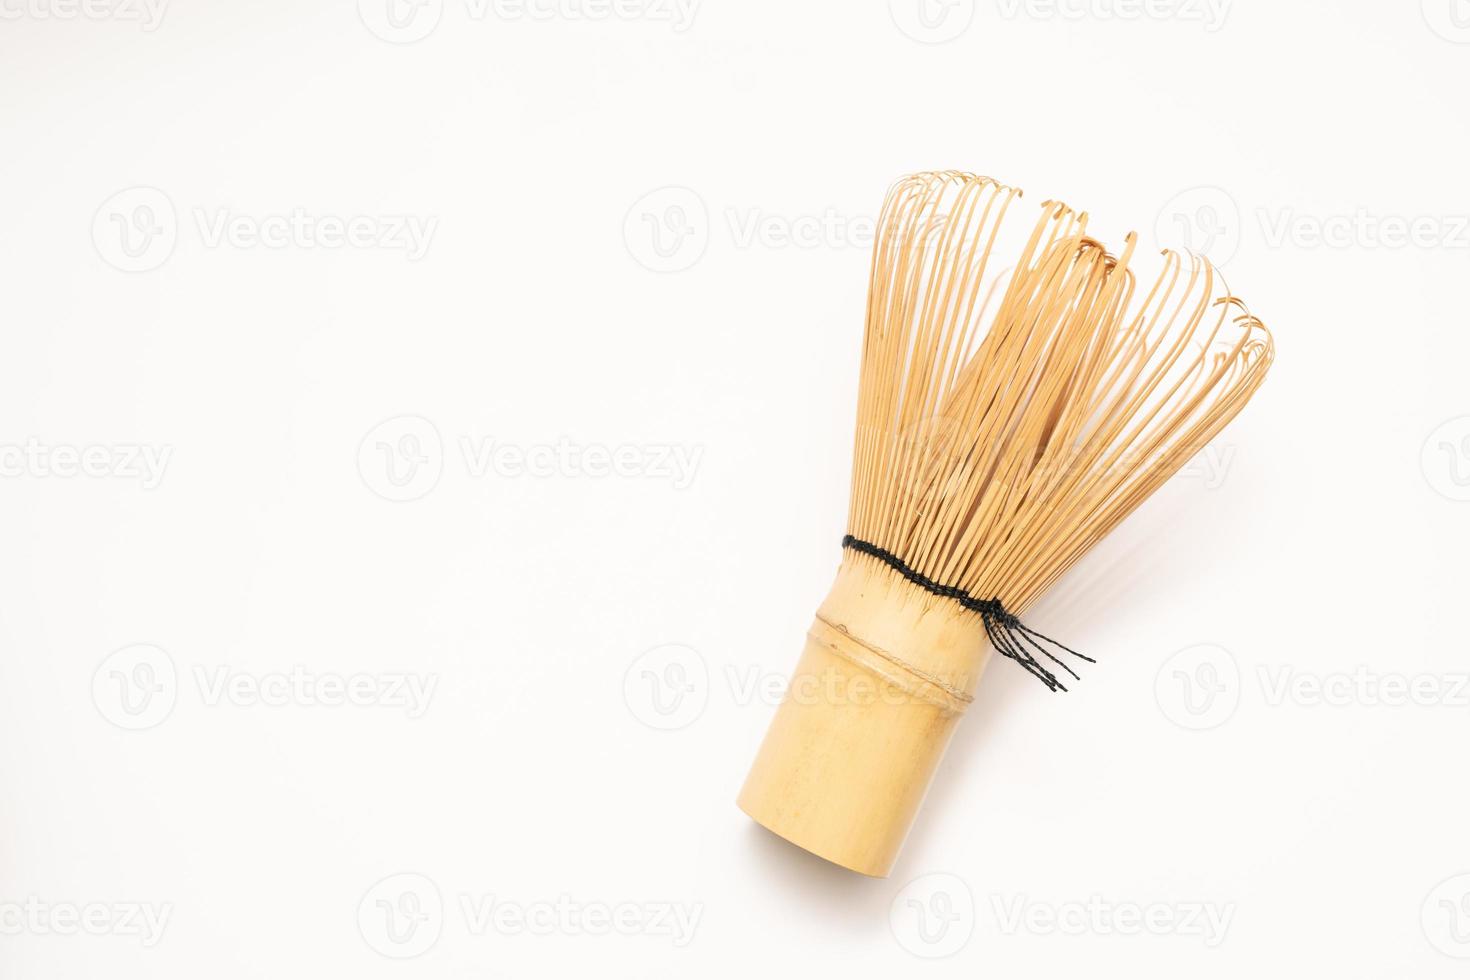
{"x": 1007, "y": 633}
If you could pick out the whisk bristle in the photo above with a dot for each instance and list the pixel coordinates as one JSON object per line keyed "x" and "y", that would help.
{"x": 995, "y": 447}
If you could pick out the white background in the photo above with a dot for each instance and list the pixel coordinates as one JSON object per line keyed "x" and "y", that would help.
{"x": 600, "y": 643}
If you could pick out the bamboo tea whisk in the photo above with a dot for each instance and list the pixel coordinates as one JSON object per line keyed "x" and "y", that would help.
{"x": 1006, "y": 422}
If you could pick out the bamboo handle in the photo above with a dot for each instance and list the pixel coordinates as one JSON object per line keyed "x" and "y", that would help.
{"x": 886, "y": 672}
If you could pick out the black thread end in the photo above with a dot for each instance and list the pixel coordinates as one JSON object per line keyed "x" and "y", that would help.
{"x": 1006, "y": 632}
